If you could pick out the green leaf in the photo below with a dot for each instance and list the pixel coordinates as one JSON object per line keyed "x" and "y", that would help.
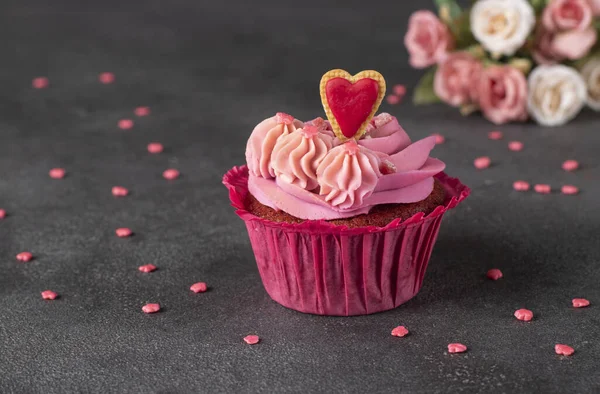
{"x": 538, "y": 5}
{"x": 461, "y": 30}
{"x": 452, "y": 8}
{"x": 424, "y": 93}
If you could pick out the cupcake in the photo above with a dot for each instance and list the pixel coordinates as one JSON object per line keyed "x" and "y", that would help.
{"x": 343, "y": 213}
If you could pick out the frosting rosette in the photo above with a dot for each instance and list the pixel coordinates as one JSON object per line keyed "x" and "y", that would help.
{"x": 347, "y": 175}
{"x": 313, "y": 176}
{"x": 262, "y": 142}
{"x": 297, "y": 155}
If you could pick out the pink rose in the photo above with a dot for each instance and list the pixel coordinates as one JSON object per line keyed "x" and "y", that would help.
{"x": 564, "y": 15}
{"x": 428, "y": 40}
{"x": 553, "y": 48}
{"x": 595, "y": 4}
{"x": 502, "y": 94}
{"x": 453, "y": 78}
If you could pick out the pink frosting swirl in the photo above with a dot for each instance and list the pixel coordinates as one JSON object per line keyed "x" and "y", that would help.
{"x": 385, "y": 168}
{"x": 296, "y": 156}
{"x": 262, "y": 142}
{"x": 348, "y": 175}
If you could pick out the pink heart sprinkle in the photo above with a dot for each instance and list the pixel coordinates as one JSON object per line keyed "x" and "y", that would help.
{"x": 563, "y": 350}
{"x": 283, "y": 118}
{"x": 155, "y": 147}
{"x": 251, "y": 339}
{"x": 171, "y": 174}
{"x": 482, "y": 162}
{"x": 400, "y": 331}
{"x": 147, "y": 268}
{"x": 142, "y": 111}
{"x": 515, "y": 146}
{"x": 521, "y": 186}
{"x": 57, "y": 173}
{"x": 119, "y": 191}
{"x": 199, "y": 287}
{"x": 49, "y": 295}
{"x": 569, "y": 189}
{"x": 439, "y": 139}
{"x": 399, "y": 90}
{"x": 151, "y": 308}
{"x": 495, "y": 135}
{"x": 456, "y": 348}
{"x": 123, "y": 232}
{"x": 24, "y": 257}
{"x": 2, "y": 213}
{"x": 580, "y": 302}
{"x": 386, "y": 167}
{"x": 542, "y": 188}
{"x": 392, "y": 99}
{"x": 125, "y": 124}
{"x": 106, "y": 78}
{"x": 570, "y": 165}
{"x": 524, "y": 314}
{"x": 40, "y": 82}
{"x": 494, "y": 274}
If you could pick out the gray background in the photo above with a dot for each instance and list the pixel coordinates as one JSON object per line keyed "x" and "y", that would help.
{"x": 210, "y": 71}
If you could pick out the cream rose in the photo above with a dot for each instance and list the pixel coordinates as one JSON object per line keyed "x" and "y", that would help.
{"x": 502, "y": 26}
{"x": 556, "y": 94}
{"x": 591, "y": 76}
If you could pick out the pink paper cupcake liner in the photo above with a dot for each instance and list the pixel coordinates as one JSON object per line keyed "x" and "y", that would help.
{"x": 326, "y": 269}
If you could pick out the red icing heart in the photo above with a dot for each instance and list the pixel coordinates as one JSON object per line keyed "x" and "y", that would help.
{"x": 351, "y": 103}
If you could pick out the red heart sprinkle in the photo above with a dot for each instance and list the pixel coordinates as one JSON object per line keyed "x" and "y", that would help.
{"x": 521, "y": 186}
{"x": 542, "y": 188}
{"x": 125, "y": 124}
{"x": 155, "y": 147}
{"x": 351, "y": 104}
{"x": 57, "y": 173}
{"x": 399, "y": 90}
{"x": 49, "y": 295}
{"x": 494, "y": 274}
{"x": 147, "y": 268}
{"x": 563, "y": 350}
{"x": 199, "y": 287}
{"x": 515, "y": 146}
{"x": 524, "y": 314}
{"x": 482, "y": 162}
{"x": 495, "y": 135}
{"x": 251, "y": 339}
{"x": 456, "y": 348}
{"x": 400, "y": 331}
{"x": 123, "y": 232}
{"x": 570, "y": 165}
{"x": 40, "y": 82}
{"x": 2, "y": 213}
{"x": 24, "y": 257}
{"x": 439, "y": 139}
{"x": 569, "y": 189}
{"x": 142, "y": 111}
{"x": 106, "y": 78}
{"x": 392, "y": 99}
{"x": 171, "y": 174}
{"x": 119, "y": 191}
{"x": 151, "y": 308}
{"x": 580, "y": 302}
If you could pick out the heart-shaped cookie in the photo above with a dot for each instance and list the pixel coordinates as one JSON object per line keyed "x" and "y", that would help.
{"x": 350, "y": 102}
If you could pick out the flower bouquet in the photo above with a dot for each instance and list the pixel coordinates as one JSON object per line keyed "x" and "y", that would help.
{"x": 510, "y": 59}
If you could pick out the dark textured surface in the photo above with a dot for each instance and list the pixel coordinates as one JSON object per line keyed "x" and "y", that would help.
{"x": 210, "y": 73}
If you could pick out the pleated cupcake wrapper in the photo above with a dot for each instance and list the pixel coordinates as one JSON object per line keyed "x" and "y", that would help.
{"x": 321, "y": 268}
